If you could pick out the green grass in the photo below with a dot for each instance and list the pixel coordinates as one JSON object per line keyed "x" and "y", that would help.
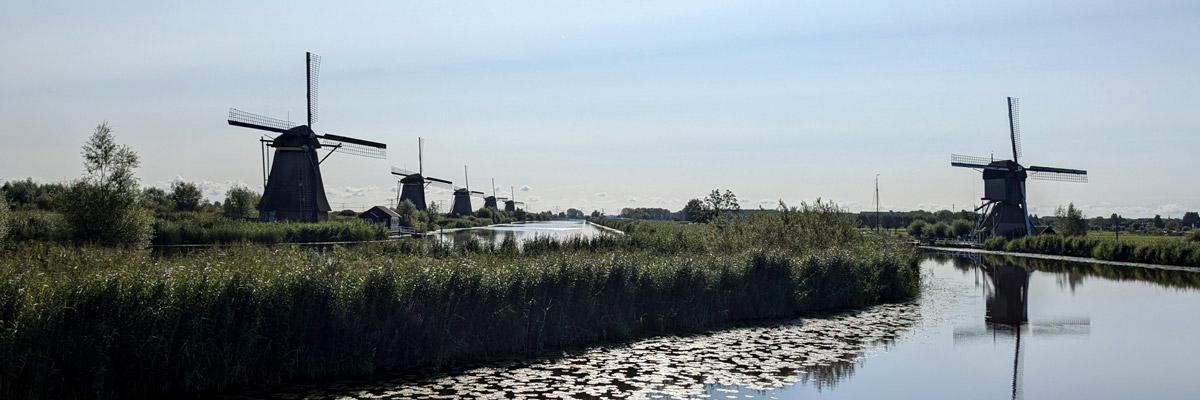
{"x": 109, "y": 323}
{"x": 1166, "y": 252}
{"x": 1133, "y": 237}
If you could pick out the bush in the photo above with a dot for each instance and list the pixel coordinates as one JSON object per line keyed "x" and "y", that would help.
{"x": 3, "y": 219}
{"x": 108, "y": 215}
{"x": 240, "y": 203}
{"x": 917, "y": 228}
{"x": 1193, "y": 236}
{"x": 37, "y": 226}
{"x": 995, "y": 243}
{"x": 961, "y": 228}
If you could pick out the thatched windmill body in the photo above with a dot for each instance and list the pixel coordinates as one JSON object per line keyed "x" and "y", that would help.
{"x": 293, "y": 189}
{"x": 413, "y": 184}
{"x": 511, "y": 204}
{"x": 490, "y": 201}
{"x": 1004, "y": 211}
{"x": 462, "y": 197}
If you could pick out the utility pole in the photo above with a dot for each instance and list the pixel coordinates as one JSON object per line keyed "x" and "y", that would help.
{"x": 878, "y": 226}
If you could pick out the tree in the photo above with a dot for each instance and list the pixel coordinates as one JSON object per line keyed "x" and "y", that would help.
{"x": 693, "y": 211}
{"x": 157, "y": 199}
{"x": 917, "y": 228}
{"x": 186, "y": 196}
{"x": 1114, "y": 220}
{"x": 106, "y": 206}
{"x": 240, "y": 203}
{"x": 105, "y": 161}
{"x": 596, "y": 214}
{"x": 1158, "y": 222}
{"x": 961, "y": 228}
{"x": 1191, "y": 219}
{"x": 717, "y": 203}
{"x": 574, "y": 213}
{"x": 1069, "y": 221}
{"x": 1173, "y": 225}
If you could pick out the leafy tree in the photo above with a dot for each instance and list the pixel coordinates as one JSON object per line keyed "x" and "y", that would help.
{"x": 693, "y": 211}
{"x": 408, "y": 213}
{"x": 1069, "y": 221}
{"x": 186, "y": 196}
{"x": 1114, "y": 220}
{"x": 1191, "y": 219}
{"x": 576, "y": 213}
{"x": 157, "y": 199}
{"x": 596, "y": 214}
{"x": 961, "y": 228}
{"x": 1158, "y": 222}
{"x": 240, "y": 203}
{"x": 917, "y": 228}
{"x": 717, "y": 203}
{"x": 105, "y": 207}
{"x": 1173, "y": 225}
{"x": 1096, "y": 223}
{"x": 938, "y": 230}
{"x": 107, "y": 162}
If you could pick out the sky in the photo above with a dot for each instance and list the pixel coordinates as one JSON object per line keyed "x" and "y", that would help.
{"x": 606, "y": 105}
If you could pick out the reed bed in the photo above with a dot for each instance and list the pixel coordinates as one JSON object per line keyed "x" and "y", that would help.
{"x": 196, "y": 228}
{"x": 107, "y": 323}
{"x": 1177, "y": 252}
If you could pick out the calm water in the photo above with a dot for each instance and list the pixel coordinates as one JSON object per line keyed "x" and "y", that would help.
{"x": 983, "y": 328}
{"x": 521, "y": 232}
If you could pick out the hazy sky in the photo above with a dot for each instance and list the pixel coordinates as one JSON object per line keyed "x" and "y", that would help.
{"x": 639, "y": 104}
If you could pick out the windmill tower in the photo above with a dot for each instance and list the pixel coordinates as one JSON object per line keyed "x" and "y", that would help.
{"x": 490, "y": 201}
{"x": 462, "y": 197}
{"x": 413, "y": 184}
{"x": 293, "y": 189}
{"x": 510, "y": 205}
{"x": 1004, "y": 211}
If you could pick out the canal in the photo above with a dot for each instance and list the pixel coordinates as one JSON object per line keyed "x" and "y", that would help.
{"x": 984, "y": 327}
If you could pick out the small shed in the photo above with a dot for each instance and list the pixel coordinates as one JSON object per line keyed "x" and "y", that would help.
{"x": 382, "y": 215}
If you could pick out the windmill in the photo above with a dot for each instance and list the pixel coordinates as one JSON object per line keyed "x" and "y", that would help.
{"x": 462, "y": 197}
{"x": 511, "y": 204}
{"x": 490, "y": 201}
{"x": 1004, "y": 211}
{"x": 293, "y": 187}
{"x": 412, "y": 184}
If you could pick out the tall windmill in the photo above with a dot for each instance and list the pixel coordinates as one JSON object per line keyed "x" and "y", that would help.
{"x": 293, "y": 189}
{"x": 462, "y": 197}
{"x": 413, "y": 184}
{"x": 1004, "y": 211}
{"x": 511, "y": 204}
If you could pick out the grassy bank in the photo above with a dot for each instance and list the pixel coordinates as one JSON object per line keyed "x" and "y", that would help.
{"x": 203, "y": 228}
{"x": 82, "y": 322}
{"x": 1175, "y": 252}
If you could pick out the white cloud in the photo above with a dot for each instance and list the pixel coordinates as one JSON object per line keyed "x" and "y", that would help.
{"x": 602, "y": 195}
{"x": 768, "y": 202}
{"x": 526, "y": 188}
{"x": 632, "y": 199}
{"x": 533, "y": 199}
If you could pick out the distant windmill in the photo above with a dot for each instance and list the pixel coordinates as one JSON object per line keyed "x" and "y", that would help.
{"x": 1004, "y": 211}
{"x": 412, "y": 184}
{"x": 462, "y": 197}
{"x": 293, "y": 189}
{"x": 511, "y": 204}
{"x": 490, "y": 201}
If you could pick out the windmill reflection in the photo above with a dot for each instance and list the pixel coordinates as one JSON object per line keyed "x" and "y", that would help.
{"x": 1005, "y": 288}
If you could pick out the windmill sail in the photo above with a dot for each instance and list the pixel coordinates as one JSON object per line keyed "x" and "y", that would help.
{"x": 354, "y": 146}
{"x": 1014, "y": 127}
{"x": 1057, "y": 174}
{"x": 254, "y": 121}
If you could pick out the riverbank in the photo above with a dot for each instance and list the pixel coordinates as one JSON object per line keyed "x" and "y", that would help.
{"x": 104, "y": 323}
{"x": 966, "y": 250}
{"x": 1181, "y": 252}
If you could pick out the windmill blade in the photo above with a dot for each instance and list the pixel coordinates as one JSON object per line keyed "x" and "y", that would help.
{"x": 401, "y": 171}
{"x": 1014, "y": 127}
{"x": 519, "y": 202}
{"x": 439, "y": 185}
{"x": 478, "y": 194}
{"x": 354, "y": 146}
{"x": 254, "y": 121}
{"x": 1057, "y": 174}
{"x": 959, "y": 160}
{"x": 314, "y": 67}
{"x": 501, "y": 199}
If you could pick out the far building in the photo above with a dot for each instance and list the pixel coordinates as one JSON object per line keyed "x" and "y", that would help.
{"x": 382, "y": 215}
